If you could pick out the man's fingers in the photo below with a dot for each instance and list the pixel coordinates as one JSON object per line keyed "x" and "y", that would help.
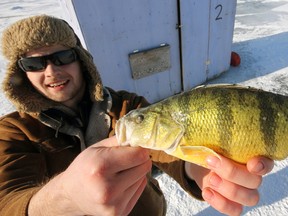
{"x": 134, "y": 192}
{"x": 234, "y": 172}
{"x": 128, "y": 177}
{"x": 109, "y": 142}
{"x": 221, "y": 203}
{"x": 231, "y": 191}
{"x": 260, "y": 165}
{"x": 113, "y": 159}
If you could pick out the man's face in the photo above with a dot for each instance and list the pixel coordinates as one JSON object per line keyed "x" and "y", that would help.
{"x": 63, "y": 83}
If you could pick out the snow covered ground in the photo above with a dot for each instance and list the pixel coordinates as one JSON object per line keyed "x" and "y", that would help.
{"x": 261, "y": 39}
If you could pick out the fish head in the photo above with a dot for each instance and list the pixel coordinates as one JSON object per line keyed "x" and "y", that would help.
{"x": 148, "y": 128}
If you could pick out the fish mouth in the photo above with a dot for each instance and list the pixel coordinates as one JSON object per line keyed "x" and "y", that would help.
{"x": 120, "y": 130}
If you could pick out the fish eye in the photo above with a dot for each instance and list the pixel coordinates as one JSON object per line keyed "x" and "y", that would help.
{"x": 139, "y": 118}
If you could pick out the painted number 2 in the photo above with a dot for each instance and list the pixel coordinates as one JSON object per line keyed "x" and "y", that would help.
{"x": 219, "y": 9}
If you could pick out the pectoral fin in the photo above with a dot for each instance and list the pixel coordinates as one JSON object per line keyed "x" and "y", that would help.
{"x": 194, "y": 154}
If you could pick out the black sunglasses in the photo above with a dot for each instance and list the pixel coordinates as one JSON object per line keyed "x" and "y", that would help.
{"x": 39, "y": 63}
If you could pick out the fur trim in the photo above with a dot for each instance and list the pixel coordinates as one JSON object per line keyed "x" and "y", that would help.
{"x": 35, "y": 32}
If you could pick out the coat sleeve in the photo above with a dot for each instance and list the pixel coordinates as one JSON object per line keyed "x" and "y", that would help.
{"x": 174, "y": 167}
{"x": 123, "y": 102}
{"x": 20, "y": 169}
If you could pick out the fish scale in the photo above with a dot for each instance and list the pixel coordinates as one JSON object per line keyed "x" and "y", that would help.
{"x": 235, "y": 121}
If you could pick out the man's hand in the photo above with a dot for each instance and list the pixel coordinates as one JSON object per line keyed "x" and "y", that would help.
{"x": 228, "y": 186}
{"x": 103, "y": 180}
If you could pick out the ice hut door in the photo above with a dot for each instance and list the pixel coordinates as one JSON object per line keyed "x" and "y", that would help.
{"x": 206, "y": 38}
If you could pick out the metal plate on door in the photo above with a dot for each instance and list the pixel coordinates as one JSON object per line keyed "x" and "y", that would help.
{"x": 148, "y": 62}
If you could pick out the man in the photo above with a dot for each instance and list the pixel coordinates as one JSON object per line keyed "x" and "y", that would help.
{"x": 58, "y": 152}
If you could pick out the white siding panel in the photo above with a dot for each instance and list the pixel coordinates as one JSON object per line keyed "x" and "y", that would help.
{"x": 221, "y": 35}
{"x": 195, "y": 37}
{"x": 113, "y": 29}
{"x": 206, "y": 34}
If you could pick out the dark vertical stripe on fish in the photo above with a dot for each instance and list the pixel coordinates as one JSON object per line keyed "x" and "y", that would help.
{"x": 225, "y": 119}
{"x": 267, "y": 121}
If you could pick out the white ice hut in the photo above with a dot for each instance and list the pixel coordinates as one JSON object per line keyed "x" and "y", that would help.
{"x": 156, "y": 48}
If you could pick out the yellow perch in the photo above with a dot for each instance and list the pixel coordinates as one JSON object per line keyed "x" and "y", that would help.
{"x": 234, "y": 121}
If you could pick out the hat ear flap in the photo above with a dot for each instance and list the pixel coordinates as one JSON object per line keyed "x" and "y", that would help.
{"x": 78, "y": 42}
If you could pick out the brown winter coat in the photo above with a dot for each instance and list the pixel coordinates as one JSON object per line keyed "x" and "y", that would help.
{"x": 34, "y": 148}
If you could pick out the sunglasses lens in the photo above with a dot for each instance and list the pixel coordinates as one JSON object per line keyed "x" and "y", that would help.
{"x": 63, "y": 57}
{"x": 32, "y": 64}
{"x": 40, "y": 63}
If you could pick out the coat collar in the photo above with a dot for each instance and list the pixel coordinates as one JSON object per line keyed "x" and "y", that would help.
{"x": 66, "y": 121}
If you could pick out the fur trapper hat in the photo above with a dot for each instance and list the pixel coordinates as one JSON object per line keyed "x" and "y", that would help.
{"x": 35, "y": 32}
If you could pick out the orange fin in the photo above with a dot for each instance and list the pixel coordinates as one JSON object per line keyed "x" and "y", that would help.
{"x": 194, "y": 154}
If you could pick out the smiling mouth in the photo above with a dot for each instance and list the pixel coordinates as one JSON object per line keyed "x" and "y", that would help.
{"x": 54, "y": 85}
